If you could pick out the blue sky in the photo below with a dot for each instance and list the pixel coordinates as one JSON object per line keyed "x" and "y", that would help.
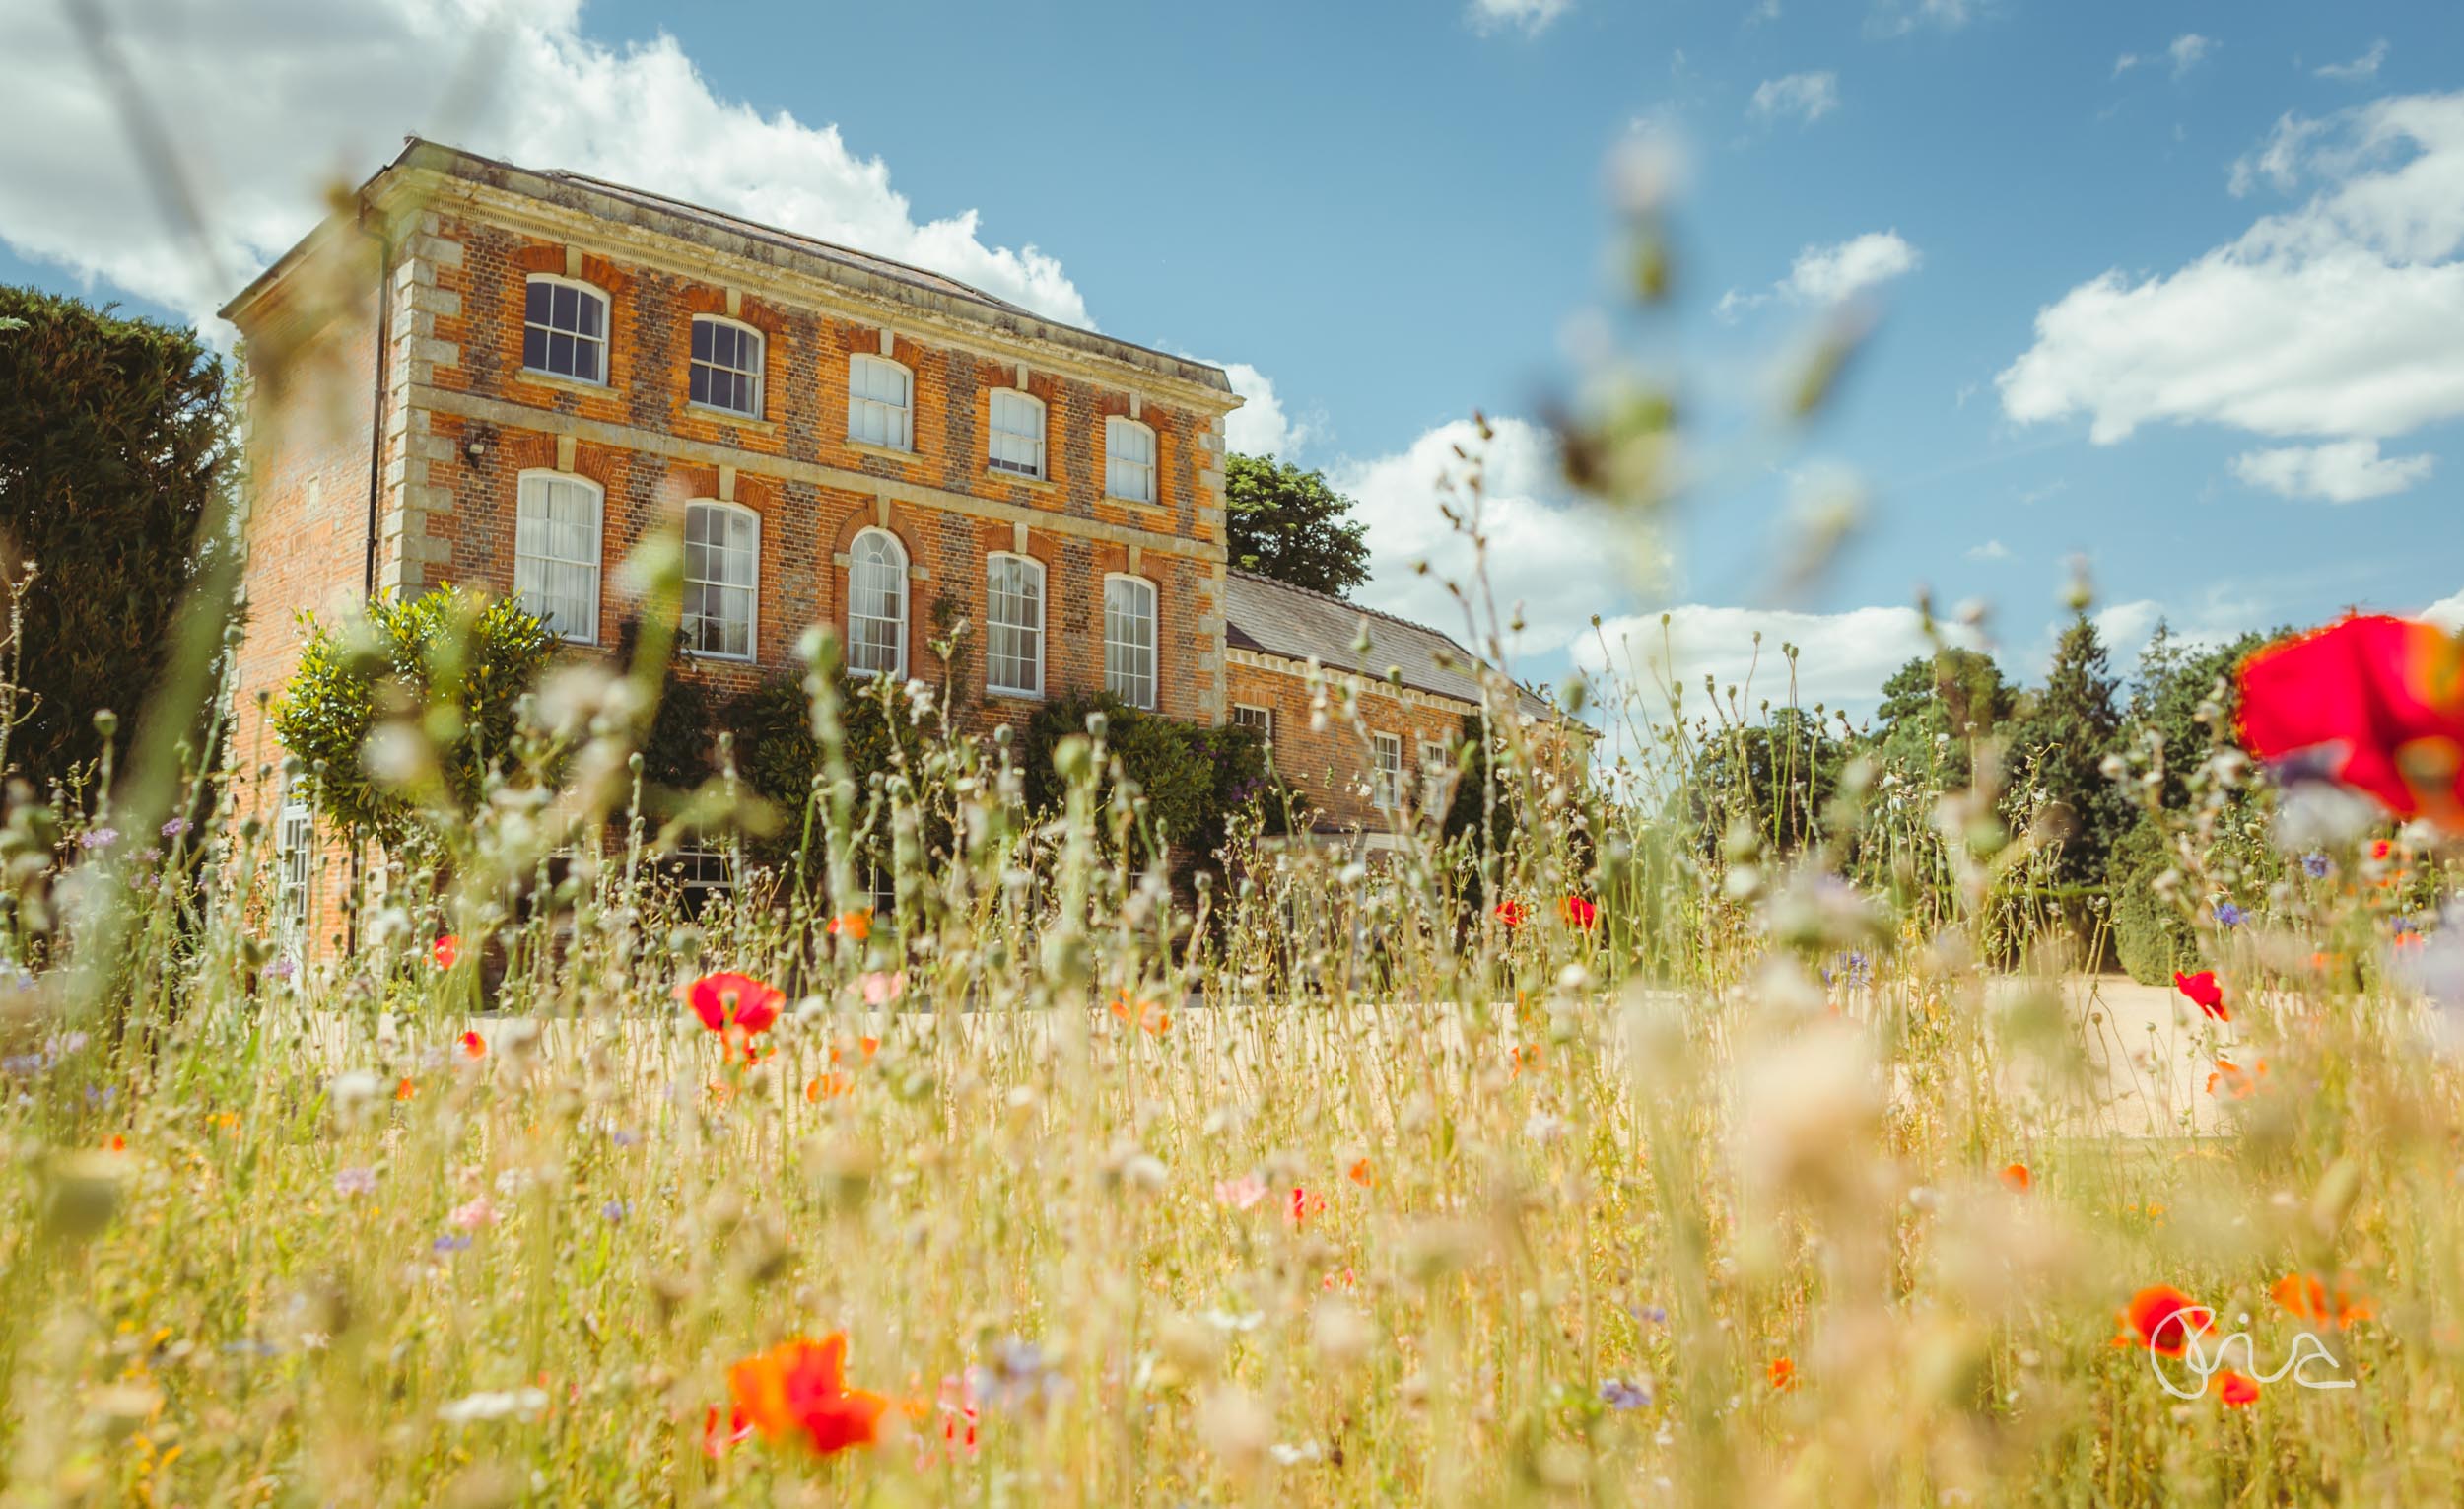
{"x": 1394, "y": 215}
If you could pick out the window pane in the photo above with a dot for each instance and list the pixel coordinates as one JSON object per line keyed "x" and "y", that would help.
{"x": 539, "y": 300}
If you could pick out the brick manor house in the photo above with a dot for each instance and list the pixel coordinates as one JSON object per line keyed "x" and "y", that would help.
{"x": 504, "y": 377}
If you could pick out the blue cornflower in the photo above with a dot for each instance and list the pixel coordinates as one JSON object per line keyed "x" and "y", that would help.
{"x": 2227, "y": 915}
{"x": 175, "y": 827}
{"x": 1619, "y": 1395}
{"x": 2314, "y": 865}
{"x": 452, "y": 1242}
{"x": 1649, "y": 1315}
{"x": 615, "y": 1210}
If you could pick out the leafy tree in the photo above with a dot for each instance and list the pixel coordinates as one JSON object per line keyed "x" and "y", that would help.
{"x": 113, "y": 437}
{"x": 2061, "y": 737}
{"x": 1190, "y": 777}
{"x": 456, "y": 662}
{"x": 1290, "y": 524}
{"x": 777, "y": 756}
{"x": 1777, "y": 777}
{"x": 2175, "y": 679}
{"x": 1935, "y": 708}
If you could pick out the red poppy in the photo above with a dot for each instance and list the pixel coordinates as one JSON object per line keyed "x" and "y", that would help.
{"x": 1305, "y": 1205}
{"x": 2203, "y": 989}
{"x": 2307, "y": 1296}
{"x": 116, "y": 1144}
{"x": 1782, "y": 1372}
{"x": 1510, "y": 912}
{"x": 2373, "y": 702}
{"x": 2238, "y": 1389}
{"x": 2015, "y": 1176}
{"x": 2382, "y": 850}
{"x": 854, "y": 925}
{"x": 474, "y": 1046}
{"x": 2163, "y": 1319}
{"x": 447, "y": 952}
{"x": 799, "y": 1387}
{"x": 714, "y": 1440}
{"x": 727, "y": 999}
{"x": 1579, "y": 912}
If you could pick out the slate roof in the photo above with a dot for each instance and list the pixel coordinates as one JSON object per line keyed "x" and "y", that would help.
{"x": 1276, "y": 618}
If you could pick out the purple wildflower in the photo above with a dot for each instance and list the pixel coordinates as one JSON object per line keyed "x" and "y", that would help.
{"x": 97, "y": 837}
{"x": 1617, "y": 1394}
{"x": 355, "y": 1181}
{"x": 452, "y": 1242}
{"x": 2314, "y": 865}
{"x": 175, "y": 827}
{"x": 2228, "y": 916}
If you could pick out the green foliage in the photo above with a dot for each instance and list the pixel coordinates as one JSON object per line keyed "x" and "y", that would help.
{"x": 1290, "y": 524}
{"x": 779, "y": 757}
{"x": 455, "y": 661}
{"x": 1935, "y": 708}
{"x": 2151, "y": 937}
{"x": 2176, "y": 683}
{"x": 1191, "y": 778}
{"x": 678, "y": 753}
{"x": 1776, "y": 778}
{"x": 2059, "y": 742}
{"x": 113, "y": 437}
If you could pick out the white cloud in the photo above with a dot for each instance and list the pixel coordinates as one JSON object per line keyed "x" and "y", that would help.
{"x": 1991, "y": 550}
{"x": 1260, "y": 427}
{"x": 1803, "y": 96}
{"x": 2343, "y": 318}
{"x": 2339, "y": 471}
{"x": 2447, "y": 614}
{"x": 271, "y": 106}
{"x": 1842, "y": 658}
{"x": 2184, "y": 53}
{"x": 1830, "y": 274}
{"x": 1555, "y": 557}
{"x": 1898, "y": 18}
{"x": 2361, "y": 70}
{"x": 1529, "y": 17}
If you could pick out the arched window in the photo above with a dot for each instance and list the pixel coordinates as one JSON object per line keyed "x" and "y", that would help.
{"x": 1017, "y": 439}
{"x": 1014, "y": 615}
{"x": 1129, "y": 460}
{"x": 1130, "y": 639}
{"x": 880, "y": 409}
{"x": 722, "y": 553}
{"x": 555, "y": 552}
{"x": 876, "y": 604}
{"x": 727, "y": 370}
{"x": 565, "y": 328}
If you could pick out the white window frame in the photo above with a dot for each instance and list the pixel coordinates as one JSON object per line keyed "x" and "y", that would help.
{"x": 1143, "y": 474}
{"x": 856, "y": 563}
{"x": 1123, "y": 681}
{"x": 607, "y": 311}
{"x": 532, "y": 596}
{"x": 753, "y": 373}
{"x": 294, "y": 856}
{"x": 752, "y": 589}
{"x": 1437, "y": 775}
{"x": 1265, "y": 718}
{"x": 1015, "y": 463}
{"x": 896, "y": 418}
{"x": 995, "y": 625}
{"x": 1386, "y": 787}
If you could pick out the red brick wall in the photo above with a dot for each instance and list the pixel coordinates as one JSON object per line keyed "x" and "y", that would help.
{"x": 1332, "y": 766}
{"x": 805, "y": 526}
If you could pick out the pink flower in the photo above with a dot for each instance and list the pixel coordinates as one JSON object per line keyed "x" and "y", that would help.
{"x": 472, "y": 1217}
{"x": 882, "y": 987}
{"x": 1242, "y": 1193}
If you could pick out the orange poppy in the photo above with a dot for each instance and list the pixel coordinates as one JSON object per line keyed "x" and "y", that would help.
{"x": 1782, "y": 1372}
{"x": 2238, "y": 1389}
{"x": 1363, "y": 1175}
{"x": 2240, "y": 1084}
{"x": 474, "y": 1046}
{"x": 1149, "y": 1016}
{"x": 405, "y": 1090}
{"x": 116, "y": 1144}
{"x": 829, "y": 1086}
{"x": 2203, "y": 991}
{"x": 2163, "y": 1319}
{"x": 798, "y": 1388}
{"x": 2015, "y": 1176}
{"x": 1527, "y": 1057}
{"x": 855, "y": 927}
{"x": 2307, "y": 1296}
